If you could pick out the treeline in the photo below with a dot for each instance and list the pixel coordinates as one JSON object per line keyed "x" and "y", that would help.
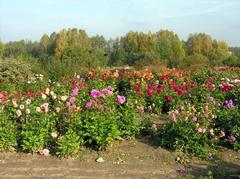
{"x": 72, "y": 49}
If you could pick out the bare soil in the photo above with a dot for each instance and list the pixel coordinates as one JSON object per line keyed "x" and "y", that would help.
{"x": 126, "y": 159}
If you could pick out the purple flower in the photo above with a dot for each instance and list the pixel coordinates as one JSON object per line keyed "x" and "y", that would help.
{"x": 229, "y": 104}
{"x": 96, "y": 93}
{"x": 210, "y": 154}
{"x": 75, "y": 91}
{"x": 182, "y": 171}
{"x": 121, "y": 99}
{"x": 232, "y": 138}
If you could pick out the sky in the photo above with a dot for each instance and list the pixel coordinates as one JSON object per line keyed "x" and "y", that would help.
{"x": 30, "y": 19}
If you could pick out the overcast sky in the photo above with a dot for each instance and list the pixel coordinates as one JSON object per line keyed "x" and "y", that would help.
{"x": 30, "y": 19}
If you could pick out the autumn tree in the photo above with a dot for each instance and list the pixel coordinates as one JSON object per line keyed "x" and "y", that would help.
{"x": 138, "y": 45}
{"x": 199, "y": 44}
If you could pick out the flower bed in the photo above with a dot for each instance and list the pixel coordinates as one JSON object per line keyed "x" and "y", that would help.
{"x": 97, "y": 107}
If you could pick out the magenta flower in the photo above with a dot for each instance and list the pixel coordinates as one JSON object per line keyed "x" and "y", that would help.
{"x": 121, "y": 99}
{"x": 75, "y": 91}
{"x": 72, "y": 100}
{"x": 232, "y": 138}
{"x": 96, "y": 93}
{"x": 89, "y": 104}
{"x": 229, "y": 104}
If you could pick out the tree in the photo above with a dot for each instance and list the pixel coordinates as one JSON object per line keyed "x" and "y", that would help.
{"x": 98, "y": 42}
{"x": 169, "y": 47}
{"x": 117, "y": 54}
{"x": 199, "y": 44}
{"x": 70, "y": 37}
{"x": 219, "y": 53}
{"x": 15, "y": 49}
{"x": 235, "y": 51}
{"x": 1, "y": 49}
{"x": 136, "y": 45}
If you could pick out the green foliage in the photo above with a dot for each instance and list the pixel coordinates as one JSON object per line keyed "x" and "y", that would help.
{"x": 232, "y": 61}
{"x": 98, "y": 129}
{"x": 169, "y": 47}
{"x": 15, "y": 49}
{"x": 1, "y": 49}
{"x": 69, "y": 144}
{"x": 35, "y": 133}
{"x": 175, "y": 136}
{"x": 235, "y": 51}
{"x": 196, "y": 60}
{"x": 14, "y": 72}
{"x": 8, "y": 135}
{"x": 229, "y": 121}
{"x": 199, "y": 44}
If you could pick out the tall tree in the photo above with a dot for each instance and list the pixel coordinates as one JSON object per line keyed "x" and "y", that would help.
{"x": 137, "y": 45}
{"x": 169, "y": 47}
{"x": 199, "y": 44}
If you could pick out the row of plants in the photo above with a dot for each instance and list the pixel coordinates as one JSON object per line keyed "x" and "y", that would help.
{"x": 97, "y": 107}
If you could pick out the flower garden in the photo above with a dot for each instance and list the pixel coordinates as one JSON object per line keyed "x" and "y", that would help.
{"x": 201, "y": 111}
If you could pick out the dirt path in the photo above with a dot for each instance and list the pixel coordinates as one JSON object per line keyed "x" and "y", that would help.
{"x": 129, "y": 159}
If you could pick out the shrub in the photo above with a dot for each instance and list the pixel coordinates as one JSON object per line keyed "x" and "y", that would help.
{"x": 8, "y": 133}
{"x": 196, "y": 60}
{"x": 69, "y": 143}
{"x": 35, "y": 133}
{"x": 232, "y": 61}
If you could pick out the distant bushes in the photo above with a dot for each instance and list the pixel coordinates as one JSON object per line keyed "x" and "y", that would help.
{"x": 14, "y": 71}
{"x": 232, "y": 61}
{"x": 196, "y": 60}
